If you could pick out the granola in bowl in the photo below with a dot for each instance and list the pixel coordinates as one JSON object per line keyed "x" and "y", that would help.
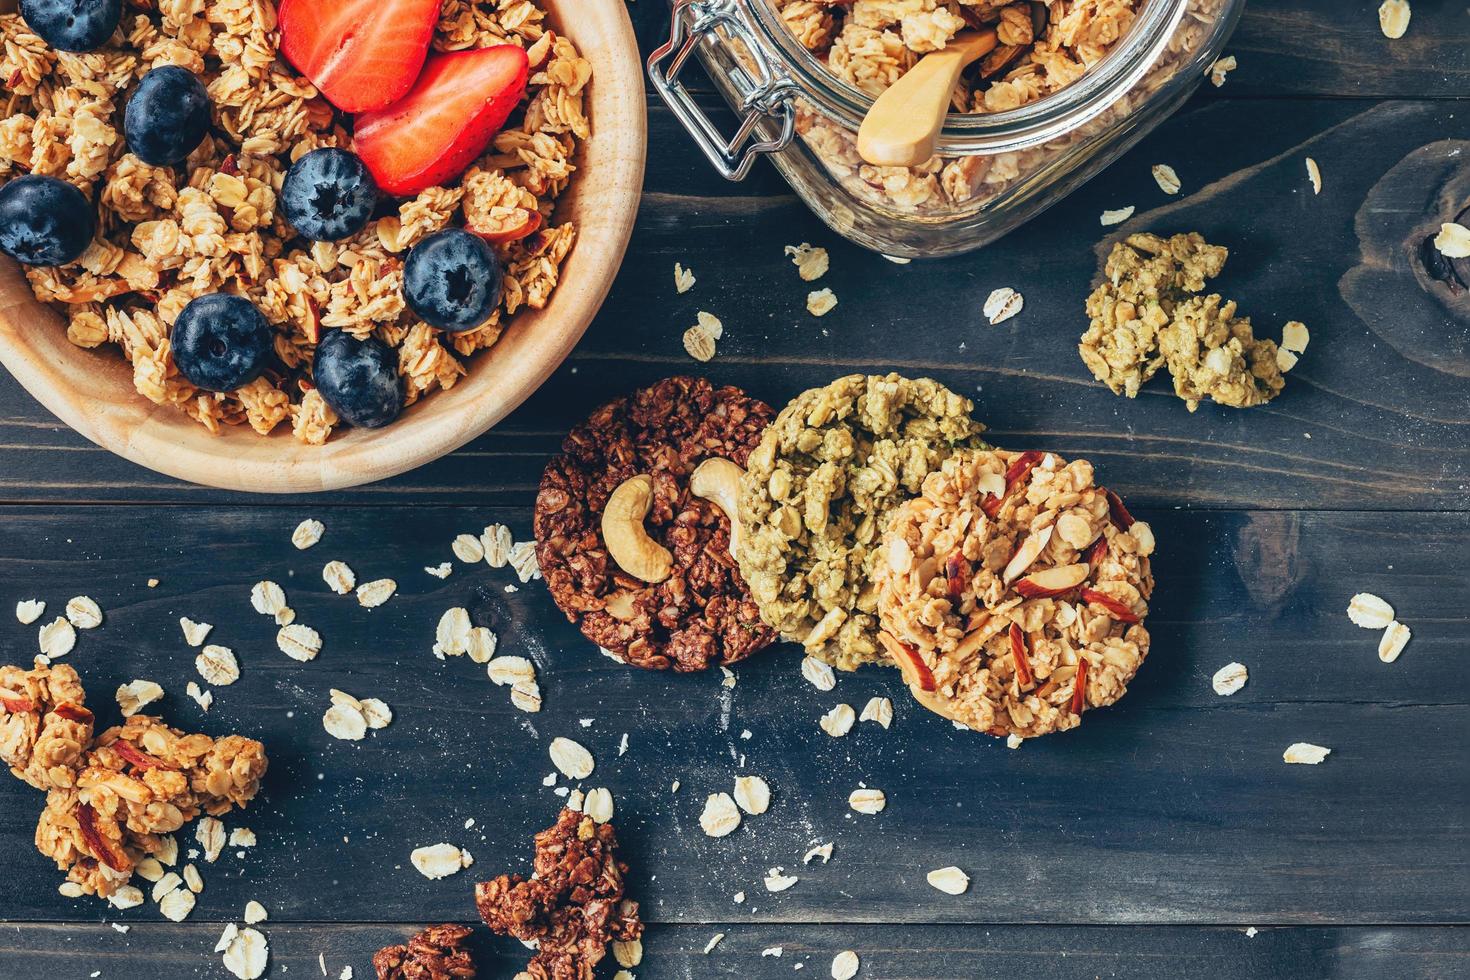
{"x": 1012, "y": 593}
{"x": 217, "y": 223}
{"x": 633, "y": 526}
{"x": 818, "y": 494}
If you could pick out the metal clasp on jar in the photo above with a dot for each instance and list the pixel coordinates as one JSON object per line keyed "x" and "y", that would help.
{"x": 763, "y": 93}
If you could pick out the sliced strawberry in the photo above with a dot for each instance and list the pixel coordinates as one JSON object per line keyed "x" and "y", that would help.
{"x": 361, "y": 54}
{"x": 434, "y": 133}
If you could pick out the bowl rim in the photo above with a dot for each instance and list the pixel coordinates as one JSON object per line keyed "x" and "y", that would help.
{"x": 161, "y": 438}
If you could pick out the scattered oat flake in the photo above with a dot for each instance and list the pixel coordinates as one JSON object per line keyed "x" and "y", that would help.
{"x": 134, "y": 696}
{"x": 879, "y": 710}
{"x": 867, "y": 800}
{"x": 1295, "y": 336}
{"x": 439, "y": 860}
{"x": 1393, "y": 18}
{"x": 126, "y": 897}
{"x": 1166, "y": 178}
{"x": 307, "y": 533}
{"x": 254, "y": 912}
{"x": 247, "y": 954}
{"x": 1221, "y": 68}
{"x": 950, "y": 880}
{"x": 1014, "y": 741}
{"x": 823, "y": 851}
{"x": 571, "y": 758}
{"x": 711, "y": 324}
{"x": 1285, "y": 359}
{"x": 339, "y": 578}
{"x": 1369, "y": 611}
{"x": 176, "y": 905}
{"x": 522, "y": 558}
{"x": 753, "y": 794}
{"x": 1002, "y": 304}
{"x": 372, "y": 594}
{"x": 192, "y": 879}
{"x": 210, "y": 833}
{"x": 29, "y": 610}
{"x": 699, "y": 344}
{"x": 628, "y": 952}
{"x": 720, "y": 816}
{"x": 683, "y": 279}
{"x": 838, "y": 722}
{"x": 821, "y": 302}
{"x": 1314, "y": 175}
{"x": 811, "y": 261}
{"x": 844, "y": 965}
{"x": 201, "y": 697}
{"x": 1305, "y": 754}
{"x": 299, "y": 642}
{"x": 467, "y": 548}
{"x": 713, "y": 942}
{"x": 774, "y": 951}
{"x": 440, "y": 570}
{"x": 242, "y": 837}
{"x": 1117, "y": 216}
{"x": 217, "y": 665}
{"x": 83, "y": 612}
{"x": 194, "y": 633}
{"x": 1453, "y": 241}
{"x": 526, "y": 696}
{"x": 57, "y": 638}
{"x": 497, "y": 541}
{"x": 1229, "y": 679}
{"x": 1395, "y": 637}
{"x": 511, "y": 670}
{"x": 267, "y": 598}
{"x": 818, "y": 674}
{"x": 775, "y": 881}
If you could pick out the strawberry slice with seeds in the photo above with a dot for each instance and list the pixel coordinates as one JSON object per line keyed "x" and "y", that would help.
{"x": 361, "y": 54}
{"x": 432, "y": 134}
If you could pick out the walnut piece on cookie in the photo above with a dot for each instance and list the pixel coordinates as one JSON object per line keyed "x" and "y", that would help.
{"x": 433, "y": 953}
{"x": 690, "y": 609}
{"x": 1012, "y": 592}
{"x": 818, "y": 492}
{"x": 573, "y": 907}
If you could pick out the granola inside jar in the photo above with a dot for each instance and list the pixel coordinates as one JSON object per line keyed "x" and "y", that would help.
{"x": 1071, "y": 85}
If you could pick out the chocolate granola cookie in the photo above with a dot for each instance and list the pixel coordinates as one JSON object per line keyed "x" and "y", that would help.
{"x": 1012, "y": 592}
{"x": 817, "y": 496}
{"x": 631, "y": 542}
{"x": 572, "y": 907}
{"x": 434, "y": 953}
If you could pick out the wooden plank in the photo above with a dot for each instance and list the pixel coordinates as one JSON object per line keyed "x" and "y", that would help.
{"x": 184, "y": 952}
{"x": 1172, "y": 807}
{"x": 1402, "y": 389}
{"x": 1294, "y": 48}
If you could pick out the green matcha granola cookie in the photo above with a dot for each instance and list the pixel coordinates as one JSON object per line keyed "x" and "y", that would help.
{"x": 817, "y": 495}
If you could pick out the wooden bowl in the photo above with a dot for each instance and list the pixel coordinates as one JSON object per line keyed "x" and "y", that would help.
{"x": 92, "y": 390}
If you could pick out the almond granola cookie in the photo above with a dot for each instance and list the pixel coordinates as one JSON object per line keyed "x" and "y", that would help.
{"x": 1013, "y": 592}
{"x": 572, "y": 906}
{"x": 167, "y": 235}
{"x": 819, "y": 492}
{"x": 44, "y": 724}
{"x": 664, "y": 593}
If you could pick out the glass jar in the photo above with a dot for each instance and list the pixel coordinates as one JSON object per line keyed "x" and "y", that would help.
{"x": 991, "y": 171}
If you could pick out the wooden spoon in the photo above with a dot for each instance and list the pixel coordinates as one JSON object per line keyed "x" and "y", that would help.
{"x": 901, "y": 127}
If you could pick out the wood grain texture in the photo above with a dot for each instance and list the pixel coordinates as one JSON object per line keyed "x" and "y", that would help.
{"x": 93, "y": 391}
{"x": 1370, "y": 418}
{"x": 1172, "y": 807}
{"x": 182, "y": 952}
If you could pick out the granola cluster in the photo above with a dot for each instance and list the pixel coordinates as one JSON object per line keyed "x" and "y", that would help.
{"x": 434, "y": 953}
{"x": 872, "y": 43}
{"x": 110, "y": 800}
{"x": 700, "y": 614}
{"x": 1147, "y": 314}
{"x": 168, "y": 235}
{"x": 573, "y": 904}
{"x": 818, "y": 494}
{"x": 1012, "y": 592}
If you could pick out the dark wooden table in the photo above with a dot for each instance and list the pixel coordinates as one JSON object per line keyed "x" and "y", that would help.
{"x": 1143, "y": 845}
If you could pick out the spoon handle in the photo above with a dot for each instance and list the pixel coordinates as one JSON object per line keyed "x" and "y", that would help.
{"x": 901, "y": 127}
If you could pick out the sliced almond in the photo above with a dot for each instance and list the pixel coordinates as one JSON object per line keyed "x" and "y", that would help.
{"x": 1027, "y": 553}
{"x": 1048, "y": 582}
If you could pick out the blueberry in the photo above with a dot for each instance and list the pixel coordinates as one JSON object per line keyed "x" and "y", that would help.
{"x": 359, "y": 379}
{"x": 167, "y": 116}
{"x": 44, "y": 221}
{"x": 452, "y": 280}
{"x": 328, "y": 195}
{"x": 72, "y": 25}
{"x": 221, "y": 342}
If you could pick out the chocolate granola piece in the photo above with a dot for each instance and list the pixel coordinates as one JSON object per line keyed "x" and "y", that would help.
{"x": 701, "y": 615}
{"x": 434, "y": 953}
{"x": 573, "y": 907}
{"x": 1012, "y": 592}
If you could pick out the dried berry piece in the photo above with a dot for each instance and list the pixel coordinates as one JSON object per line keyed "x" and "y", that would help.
{"x": 435, "y": 953}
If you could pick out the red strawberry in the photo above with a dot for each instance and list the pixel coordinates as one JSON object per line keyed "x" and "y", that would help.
{"x": 361, "y": 54}
{"x": 436, "y": 131}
